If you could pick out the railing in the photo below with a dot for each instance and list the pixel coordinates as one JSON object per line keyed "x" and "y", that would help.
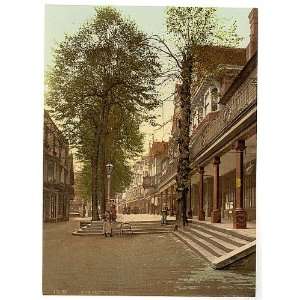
{"x": 170, "y": 172}
{"x": 149, "y": 182}
{"x": 243, "y": 98}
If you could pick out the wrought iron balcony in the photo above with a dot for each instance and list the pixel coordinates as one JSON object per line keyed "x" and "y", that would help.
{"x": 149, "y": 182}
{"x": 170, "y": 171}
{"x": 243, "y": 98}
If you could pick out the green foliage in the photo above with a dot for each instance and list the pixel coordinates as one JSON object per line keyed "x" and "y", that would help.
{"x": 191, "y": 29}
{"x": 102, "y": 87}
{"x": 84, "y": 182}
{"x": 107, "y": 62}
{"x": 196, "y": 26}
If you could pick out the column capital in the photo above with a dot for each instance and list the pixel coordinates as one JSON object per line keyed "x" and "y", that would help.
{"x": 200, "y": 169}
{"x": 216, "y": 160}
{"x": 239, "y": 145}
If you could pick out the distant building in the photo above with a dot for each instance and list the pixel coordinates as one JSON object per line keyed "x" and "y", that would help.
{"x": 135, "y": 194}
{"x": 142, "y": 195}
{"x": 78, "y": 205}
{"x": 57, "y": 172}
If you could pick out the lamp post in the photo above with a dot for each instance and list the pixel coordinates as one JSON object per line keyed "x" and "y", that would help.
{"x": 109, "y": 168}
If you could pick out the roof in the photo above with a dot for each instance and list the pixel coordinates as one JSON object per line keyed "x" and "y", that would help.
{"x": 54, "y": 128}
{"x": 215, "y": 62}
{"x": 208, "y": 57}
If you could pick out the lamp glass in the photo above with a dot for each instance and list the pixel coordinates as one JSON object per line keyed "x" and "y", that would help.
{"x": 109, "y": 168}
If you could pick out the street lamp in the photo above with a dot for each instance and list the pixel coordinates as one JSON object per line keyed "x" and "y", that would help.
{"x": 109, "y": 168}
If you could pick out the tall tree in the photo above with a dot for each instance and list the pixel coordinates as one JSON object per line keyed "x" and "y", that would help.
{"x": 106, "y": 65}
{"x": 189, "y": 28}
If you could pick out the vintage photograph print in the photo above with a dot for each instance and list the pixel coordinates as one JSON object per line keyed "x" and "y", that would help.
{"x": 149, "y": 151}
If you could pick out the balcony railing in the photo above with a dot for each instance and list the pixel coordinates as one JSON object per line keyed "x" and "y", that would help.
{"x": 170, "y": 171}
{"x": 149, "y": 182}
{"x": 243, "y": 98}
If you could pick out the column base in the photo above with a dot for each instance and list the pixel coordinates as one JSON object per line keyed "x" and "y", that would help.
{"x": 201, "y": 216}
{"x": 216, "y": 216}
{"x": 240, "y": 219}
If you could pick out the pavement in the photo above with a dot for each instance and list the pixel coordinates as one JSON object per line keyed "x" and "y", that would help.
{"x": 134, "y": 265}
{"x": 141, "y": 217}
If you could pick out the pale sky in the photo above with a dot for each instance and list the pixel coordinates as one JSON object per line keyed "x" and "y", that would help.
{"x": 61, "y": 19}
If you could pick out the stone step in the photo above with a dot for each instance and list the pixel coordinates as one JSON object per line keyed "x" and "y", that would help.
{"x": 196, "y": 247}
{"x": 151, "y": 224}
{"x": 220, "y": 247}
{"x": 223, "y": 236}
{"x": 151, "y": 232}
{"x": 233, "y": 256}
{"x": 153, "y": 227}
{"x": 207, "y": 245}
{"x": 117, "y": 232}
{"x": 87, "y": 233}
{"x": 91, "y": 230}
{"x": 222, "y": 230}
{"x": 227, "y": 247}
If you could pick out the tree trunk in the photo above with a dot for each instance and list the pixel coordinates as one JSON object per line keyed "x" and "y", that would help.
{"x": 183, "y": 168}
{"x": 94, "y": 169}
{"x": 102, "y": 177}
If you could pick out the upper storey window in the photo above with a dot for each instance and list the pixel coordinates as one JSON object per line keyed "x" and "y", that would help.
{"x": 206, "y": 103}
{"x": 214, "y": 99}
{"x": 210, "y": 101}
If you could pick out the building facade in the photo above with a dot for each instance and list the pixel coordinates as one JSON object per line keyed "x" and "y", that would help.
{"x": 222, "y": 142}
{"x": 135, "y": 195}
{"x": 223, "y": 139}
{"x": 58, "y": 175}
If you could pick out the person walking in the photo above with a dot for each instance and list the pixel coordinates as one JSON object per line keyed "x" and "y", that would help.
{"x": 164, "y": 213}
{"x": 107, "y": 228}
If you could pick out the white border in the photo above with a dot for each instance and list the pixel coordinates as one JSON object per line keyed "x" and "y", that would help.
{"x": 21, "y": 133}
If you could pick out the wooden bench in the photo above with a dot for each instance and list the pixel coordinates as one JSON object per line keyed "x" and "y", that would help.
{"x": 125, "y": 227}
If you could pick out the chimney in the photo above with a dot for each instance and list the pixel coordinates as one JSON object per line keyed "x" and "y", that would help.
{"x": 253, "y": 20}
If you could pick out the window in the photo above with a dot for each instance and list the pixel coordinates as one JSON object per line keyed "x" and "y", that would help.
{"x": 62, "y": 177}
{"x": 50, "y": 171}
{"x": 200, "y": 114}
{"x": 206, "y": 103}
{"x": 214, "y": 98}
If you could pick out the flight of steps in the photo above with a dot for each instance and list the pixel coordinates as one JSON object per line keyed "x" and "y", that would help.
{"x": 90, "y": 228}
{"x": 151, "y": 227}
{"x": 136, "y": 227}
{"x": 219, "y": 246}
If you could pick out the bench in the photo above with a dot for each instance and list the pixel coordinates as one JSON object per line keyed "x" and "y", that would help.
{"x": 125, "y": 227}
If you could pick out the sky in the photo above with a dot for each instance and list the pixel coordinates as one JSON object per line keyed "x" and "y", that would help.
{"x": 61, "y": 19}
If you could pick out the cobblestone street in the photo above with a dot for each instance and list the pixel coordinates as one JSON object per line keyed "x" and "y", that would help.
{"x": 134, "y": 265}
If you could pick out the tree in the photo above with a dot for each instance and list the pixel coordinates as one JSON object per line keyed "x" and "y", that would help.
{"x": 106, "y": 69}
{"x": 189, "y": 29}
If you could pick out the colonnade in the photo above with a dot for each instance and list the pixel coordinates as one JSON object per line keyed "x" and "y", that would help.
{"x": 239, "y": 213}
